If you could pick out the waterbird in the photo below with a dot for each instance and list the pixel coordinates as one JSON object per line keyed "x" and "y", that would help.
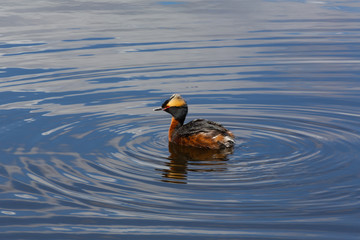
{"x": 199, "y": 133}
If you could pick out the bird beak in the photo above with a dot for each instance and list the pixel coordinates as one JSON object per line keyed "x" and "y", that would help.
{"x": 158, "y": 109}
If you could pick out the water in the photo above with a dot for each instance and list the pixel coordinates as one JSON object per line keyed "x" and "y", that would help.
{"x": 83, "y": 156}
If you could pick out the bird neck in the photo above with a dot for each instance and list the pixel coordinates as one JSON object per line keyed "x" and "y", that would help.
{"x": 179, "y": 113}
{"x": 177, "y": 120}
{"x": 174, "y": 125}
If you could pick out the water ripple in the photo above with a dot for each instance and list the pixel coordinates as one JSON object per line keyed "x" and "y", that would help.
{"x": 273, "y": 156}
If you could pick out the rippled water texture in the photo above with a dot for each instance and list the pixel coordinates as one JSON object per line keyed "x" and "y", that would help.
{"x": 83, "y": 156}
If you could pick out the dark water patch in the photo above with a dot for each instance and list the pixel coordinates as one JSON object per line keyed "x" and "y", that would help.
{"x": 167, "y": 3}
{"x": 14, "y": 45}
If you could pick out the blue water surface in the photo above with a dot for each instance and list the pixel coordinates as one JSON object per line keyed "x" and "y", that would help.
{"x": 83, "y": 156}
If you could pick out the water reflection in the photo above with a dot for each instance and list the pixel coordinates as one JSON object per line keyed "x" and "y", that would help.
{"x": 184, "y": 159}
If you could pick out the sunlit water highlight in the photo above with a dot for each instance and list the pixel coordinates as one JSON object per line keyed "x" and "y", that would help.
{"x": 83, "y": 156}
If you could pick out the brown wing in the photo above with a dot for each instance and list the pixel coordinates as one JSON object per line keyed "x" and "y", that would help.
{"x": 202, "y": 126}
{"x": 204, "y": 133}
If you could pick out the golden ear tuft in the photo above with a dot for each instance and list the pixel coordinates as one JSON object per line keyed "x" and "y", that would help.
{"x": 176, "y": 101}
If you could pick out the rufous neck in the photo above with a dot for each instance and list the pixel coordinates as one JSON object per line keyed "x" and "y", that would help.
{"x": 175, "y": 124}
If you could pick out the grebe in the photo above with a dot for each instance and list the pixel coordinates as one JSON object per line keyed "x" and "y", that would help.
{"x": 199, "y": 133}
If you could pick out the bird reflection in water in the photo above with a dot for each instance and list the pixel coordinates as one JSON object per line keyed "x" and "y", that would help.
{"x": 184, "y": 159}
